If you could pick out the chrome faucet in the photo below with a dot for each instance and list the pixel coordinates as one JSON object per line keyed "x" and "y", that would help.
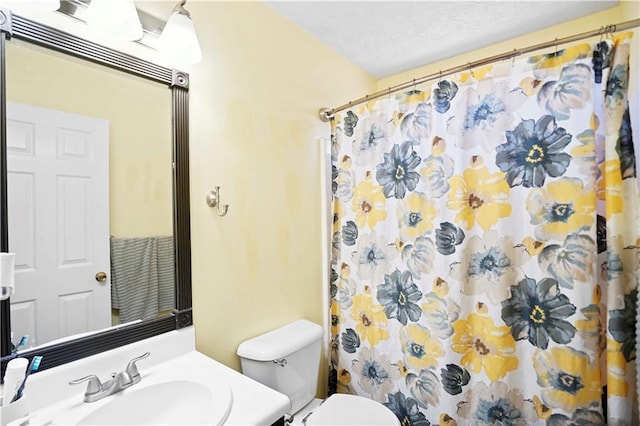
{"x": 97, "y": 390}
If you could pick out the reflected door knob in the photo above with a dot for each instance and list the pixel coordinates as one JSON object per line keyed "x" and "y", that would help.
{"x": 101, "y": 277}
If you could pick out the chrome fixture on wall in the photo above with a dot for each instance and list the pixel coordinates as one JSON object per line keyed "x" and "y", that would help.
{"x": 213, "y": 200}
{"x": 178, "y": 40}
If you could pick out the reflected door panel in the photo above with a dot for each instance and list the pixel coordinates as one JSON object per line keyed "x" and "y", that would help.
{"x": 58, "y": 191}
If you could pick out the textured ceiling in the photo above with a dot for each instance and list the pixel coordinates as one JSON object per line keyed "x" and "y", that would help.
{"x": 389, "y": 37}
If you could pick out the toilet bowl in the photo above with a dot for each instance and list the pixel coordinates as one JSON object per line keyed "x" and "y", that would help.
{"x": 287, "y": 360}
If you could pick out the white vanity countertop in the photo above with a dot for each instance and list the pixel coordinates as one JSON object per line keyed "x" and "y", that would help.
{"x": 253, "y": 403}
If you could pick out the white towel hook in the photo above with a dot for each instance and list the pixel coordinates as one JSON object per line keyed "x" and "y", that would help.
{"x": 213, "y": 200}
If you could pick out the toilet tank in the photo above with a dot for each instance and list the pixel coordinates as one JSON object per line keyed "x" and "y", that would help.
{"x": 285, "y": 359}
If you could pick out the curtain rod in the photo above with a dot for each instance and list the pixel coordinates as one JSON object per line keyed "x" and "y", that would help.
{"x": 327, "y": 114}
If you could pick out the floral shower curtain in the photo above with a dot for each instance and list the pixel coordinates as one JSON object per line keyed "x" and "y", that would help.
{"x": 485, "y": 253}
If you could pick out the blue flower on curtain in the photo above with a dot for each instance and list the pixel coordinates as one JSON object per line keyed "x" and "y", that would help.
{"x": 371, "y": 138}
{"x": 350, "y": 122}
{"x": 624, "y": 147}
{"x": 483, "y": 113}
{"x": 424, "y": 387}
{"x": 406, "y": 410}
{"x": 416, "y": 126}
{"x": 350, "y": 341}
{"x": 496, "y": 405}
{"x": 344, "y": 182}
{"x": 622, "y": 325}
{"x": 570, "y": 263}
{"x": 377, "y": 375}
{"x": 537, "y": 312}
{"x": 436, "y": 173}
{"x": 572, "y": 90}
{"x": 617, "y": 84}
{"x": 443, "y": 94}
{"x": 419, "y": 256}
{"x": 534, "y": 149}
{"x": 399, "y": 295}
{"x": 601, "y": 233}
{"x": 454, "y": 378}
{"x": 397, "y": 174}
{"x": 581, "y": 416}
{"x": 373, "y": 257}
{"x": 349, "y": 233}
{"x": 448, "y": 237}
{"x": 334, "y": 178}
{"x": 489, "y": 265}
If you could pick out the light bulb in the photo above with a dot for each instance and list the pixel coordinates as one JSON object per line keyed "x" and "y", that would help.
{"x": 178, "y": 42}
{"x": 116, "y": 19}
{"x": 32, "y": 5}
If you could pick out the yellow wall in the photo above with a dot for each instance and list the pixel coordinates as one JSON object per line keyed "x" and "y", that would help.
{"x": 139, "y": 115}
{"x": 254, "y": 132}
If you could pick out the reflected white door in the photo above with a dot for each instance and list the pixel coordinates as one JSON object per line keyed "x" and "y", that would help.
{"x": 58, "y": 197}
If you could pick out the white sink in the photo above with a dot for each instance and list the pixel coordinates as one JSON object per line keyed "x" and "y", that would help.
{"x": 177, "y": 402}
{"x": 172, "y": 393}
{"x": 174, "y": 372}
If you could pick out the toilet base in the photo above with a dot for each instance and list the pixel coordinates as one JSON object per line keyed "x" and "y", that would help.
{"x": 302, "y": 413}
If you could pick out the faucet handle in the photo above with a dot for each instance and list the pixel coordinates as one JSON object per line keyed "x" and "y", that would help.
{"x": 132, "y": 369}
{"x": 94, "y": 385}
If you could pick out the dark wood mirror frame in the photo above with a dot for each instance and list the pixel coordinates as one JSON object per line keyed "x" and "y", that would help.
{"x": 14, "y": 26}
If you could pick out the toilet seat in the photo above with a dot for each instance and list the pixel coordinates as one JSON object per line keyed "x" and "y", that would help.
{"x": 351, "y": 410}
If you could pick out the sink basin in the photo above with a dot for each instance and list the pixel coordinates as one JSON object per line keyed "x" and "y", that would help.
{"x": 181, "y": 391}
{"x": 176, "y": 402}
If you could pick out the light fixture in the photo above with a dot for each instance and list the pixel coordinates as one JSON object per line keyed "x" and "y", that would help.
{"x": 39, "y": 5}
{"x": 178, "y": 42}
{"x": 115, "y": 19}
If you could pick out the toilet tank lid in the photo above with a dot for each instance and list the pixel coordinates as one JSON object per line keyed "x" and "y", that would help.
{"x": 280, "y": 342}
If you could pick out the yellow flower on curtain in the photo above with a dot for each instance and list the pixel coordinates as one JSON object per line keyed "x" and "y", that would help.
{"x": 568, "y": 377}
{"x": 419, "y": 348}
{"x": 484, "y": 346}
{"x": 479, "y": 196}
{"x": 415, "y": 215}
{"x": 563, "y": 207}
{"x": 546, "y": 63}
{"x": 617, "y": 383}
{"x": 610, "y": 187}
{"x": 368, "y": 203}
{"x": 371, "y": 322}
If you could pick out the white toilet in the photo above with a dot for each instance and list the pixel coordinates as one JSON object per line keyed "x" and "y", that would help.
{"x": 287, "y": 360}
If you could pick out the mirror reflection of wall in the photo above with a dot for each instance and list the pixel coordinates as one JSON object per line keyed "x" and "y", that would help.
{"x": 56, "y": 99}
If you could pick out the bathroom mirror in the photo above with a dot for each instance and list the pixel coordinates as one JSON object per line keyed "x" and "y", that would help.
{"x": 64, "y": 64}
